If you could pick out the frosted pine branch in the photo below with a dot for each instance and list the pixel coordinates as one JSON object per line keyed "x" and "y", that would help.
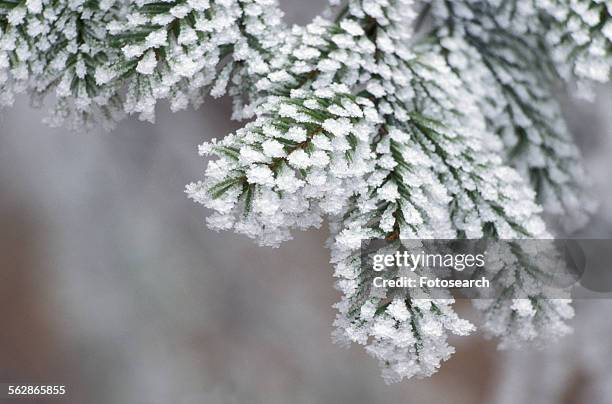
{"x": 301, "y": 159}
{"x": 391, "y": 120}
{"x": 579, "y": 35}
{"x": 515, "y": 83}
{"x": 438, "y": 173}
{"x": 183, "y": 50}
{"x": 54, "y": 47}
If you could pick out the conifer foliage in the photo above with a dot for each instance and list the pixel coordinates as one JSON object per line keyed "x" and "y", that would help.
{"x": 388, "y": 119}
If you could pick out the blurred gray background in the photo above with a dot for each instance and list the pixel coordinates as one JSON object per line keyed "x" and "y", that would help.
{"x": 111, "y": 284}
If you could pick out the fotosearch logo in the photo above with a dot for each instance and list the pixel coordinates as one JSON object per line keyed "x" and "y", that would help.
{"x": 552, "y": 268}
